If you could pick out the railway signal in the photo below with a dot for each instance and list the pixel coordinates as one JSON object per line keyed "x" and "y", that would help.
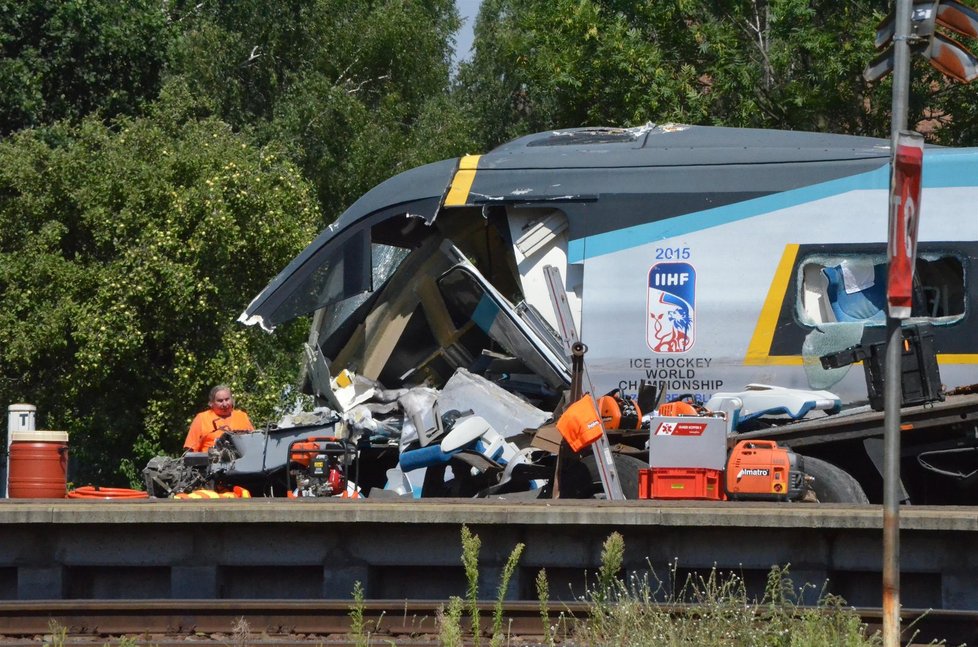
{"x": 943, "y": 52}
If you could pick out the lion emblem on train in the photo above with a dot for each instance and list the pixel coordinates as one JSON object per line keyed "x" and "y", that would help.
{"x": 671, "y": 316}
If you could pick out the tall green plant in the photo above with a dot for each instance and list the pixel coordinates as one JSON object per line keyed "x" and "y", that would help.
{"x": 357, "y": 626}
{"x": 543, "y": 596}
{"x": 504, "y": 579}
{"x": 470, "y": 562}
{"x": 450, "y": 623}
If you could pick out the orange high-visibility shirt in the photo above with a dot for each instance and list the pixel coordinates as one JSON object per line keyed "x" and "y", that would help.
{"x": 208, "y": 426}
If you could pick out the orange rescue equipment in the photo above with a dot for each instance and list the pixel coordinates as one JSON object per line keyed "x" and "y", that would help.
{"x": 618, "y": 412}
{"x": 677, "y": 408}
{"x": 580, "y": 424}
{"x": 759, "y": 469}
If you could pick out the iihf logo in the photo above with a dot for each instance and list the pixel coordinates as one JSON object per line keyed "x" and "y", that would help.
{"x": 671, "y": 326}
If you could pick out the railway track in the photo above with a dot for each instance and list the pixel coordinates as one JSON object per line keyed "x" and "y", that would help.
{"x": 166, "y": 623}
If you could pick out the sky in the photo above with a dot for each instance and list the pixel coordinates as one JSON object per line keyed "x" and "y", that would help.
{"x": 468, "y": 10}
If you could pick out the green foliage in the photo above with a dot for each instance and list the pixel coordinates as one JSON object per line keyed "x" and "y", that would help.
{"x": 497, "y": 616}
{"x": 357, "y": 626}
{"x": 608, "y": 587}
{"x": 720, "y": 612}
{"x": 248, "y": 55}
{"x": 57, "y": 634}
{"x": 72, "y": 58}
{"x": 450, "y": 623}
{"x": 543, "y": 597}
{"x": 125, "y": 254}
{"x": 792, "y": 64}
{"x": 340, "y": 83}
{"x": 470, "y": 562}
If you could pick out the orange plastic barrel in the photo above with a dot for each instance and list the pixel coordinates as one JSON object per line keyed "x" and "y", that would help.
{"x": 38, "y": 464}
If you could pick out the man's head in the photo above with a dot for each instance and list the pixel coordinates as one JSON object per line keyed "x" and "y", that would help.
{"x": 221, "y": 400}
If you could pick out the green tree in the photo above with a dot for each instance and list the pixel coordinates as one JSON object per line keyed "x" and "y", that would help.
{"x": 340, "y": 83}
{"x": 67, "y": 59}
{"x": 126, "y": 252}
{"x": 792, "y": 64}
{"x": 135, "y": 227}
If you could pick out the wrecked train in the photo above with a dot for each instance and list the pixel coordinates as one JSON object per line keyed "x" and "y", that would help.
{"x": 700, "y": 259}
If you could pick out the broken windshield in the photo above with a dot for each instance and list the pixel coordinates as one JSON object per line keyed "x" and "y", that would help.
{"x": 384, "y": 260}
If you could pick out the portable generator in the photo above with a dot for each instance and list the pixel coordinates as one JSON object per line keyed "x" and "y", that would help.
{"x": 761, "y": 470}
{"x": 318, "y": 467}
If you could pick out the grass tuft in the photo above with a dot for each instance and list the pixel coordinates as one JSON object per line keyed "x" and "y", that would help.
{"x": 357, "y": 628}
{"x": 709, "y": 610}
{"x": 507, "y": 575}
{"x": 450, "y": 623}
{"x": 470, "y": 562}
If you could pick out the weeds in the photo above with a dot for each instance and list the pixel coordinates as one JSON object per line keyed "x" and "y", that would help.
{"x": 609, "y": 587}
{"x": 470, "y": 562}
{"x": 543, "y": 595}
{"x": 704, "y": 610}
{"x": 712, "y": 610}
{"x": 450, "y": 623}
{"x": 357, "y": 629}
{"x": 241, "y": 633}
{"x": 57, "y": 634}
{"x": 507, "y": 575}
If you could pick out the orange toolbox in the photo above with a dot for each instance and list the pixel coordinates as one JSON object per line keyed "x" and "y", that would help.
{"x": 680, "y": 483}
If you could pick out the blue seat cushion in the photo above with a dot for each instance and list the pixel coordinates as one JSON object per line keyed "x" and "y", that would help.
{"x": 868, "y": 304}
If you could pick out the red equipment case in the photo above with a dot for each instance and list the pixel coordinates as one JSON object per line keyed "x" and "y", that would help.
{"x": 680, "y": 483}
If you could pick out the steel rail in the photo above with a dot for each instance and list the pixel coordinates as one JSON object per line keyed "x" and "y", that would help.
{"x": 328, "y": 622}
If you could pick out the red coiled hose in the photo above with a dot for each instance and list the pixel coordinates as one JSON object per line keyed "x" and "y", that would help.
{"x": 99, "y": 492}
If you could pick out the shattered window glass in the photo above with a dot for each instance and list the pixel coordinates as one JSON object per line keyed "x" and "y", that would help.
{"x": 384, "y": 260}
{"x": 332, "y": 274}
{"x": 851, "y": 288}
{"x": 839, "y": 295}
{"x": 826, "y": 340}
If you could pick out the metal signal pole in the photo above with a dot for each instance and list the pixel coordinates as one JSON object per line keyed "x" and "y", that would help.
{"x": 893, "y": 378}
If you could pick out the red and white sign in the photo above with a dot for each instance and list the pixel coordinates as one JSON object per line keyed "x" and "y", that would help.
{"x": 908, "y": 165}
{"x": 680, "y": 429}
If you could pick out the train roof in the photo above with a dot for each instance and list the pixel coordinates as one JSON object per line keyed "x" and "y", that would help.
{"x": 678, "y": 145}
{"x": 687, "y": 167}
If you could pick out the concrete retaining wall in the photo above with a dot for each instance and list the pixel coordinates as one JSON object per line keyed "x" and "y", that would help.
{"x": 288, "y": 549}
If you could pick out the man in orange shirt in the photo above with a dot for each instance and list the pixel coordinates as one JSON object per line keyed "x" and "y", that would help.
{"x": 220, "y": 418}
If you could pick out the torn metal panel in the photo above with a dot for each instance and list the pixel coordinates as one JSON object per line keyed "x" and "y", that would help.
{"x": 506, "y": 413}
{"x": 540, "y": 240}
